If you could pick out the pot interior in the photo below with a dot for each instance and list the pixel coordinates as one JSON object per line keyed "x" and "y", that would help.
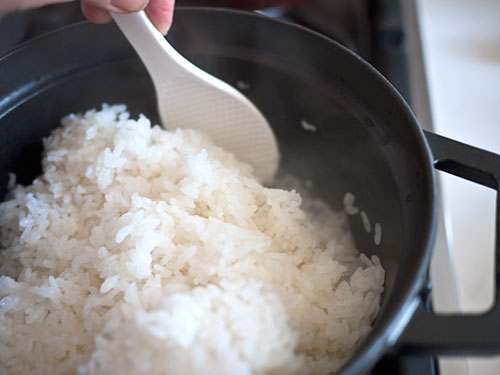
{"x": 366, "y": 141}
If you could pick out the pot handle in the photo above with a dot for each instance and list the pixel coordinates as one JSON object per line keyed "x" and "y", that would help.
{"x": 460, "y": 334}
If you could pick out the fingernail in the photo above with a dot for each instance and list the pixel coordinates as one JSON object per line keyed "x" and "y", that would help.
{"x": 163, "y": 30}
{"x": 130, "y": 5}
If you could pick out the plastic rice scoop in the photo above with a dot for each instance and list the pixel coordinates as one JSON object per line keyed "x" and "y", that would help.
{"x": 189, "y": 97}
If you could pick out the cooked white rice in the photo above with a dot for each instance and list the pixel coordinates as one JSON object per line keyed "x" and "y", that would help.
{"x": 378, "y": 234}
{"x": 366, "y": 222}
{"x": 142, "y": 251}
{"x": 349, "y": 206}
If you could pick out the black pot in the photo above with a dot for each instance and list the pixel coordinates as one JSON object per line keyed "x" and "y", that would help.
{"x": 367, "y": 142}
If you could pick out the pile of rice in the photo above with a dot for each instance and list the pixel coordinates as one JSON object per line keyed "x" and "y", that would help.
{"x": 143, "y": 251}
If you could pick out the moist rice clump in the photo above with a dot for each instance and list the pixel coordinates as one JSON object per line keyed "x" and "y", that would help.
{"x": 146, "y": 251}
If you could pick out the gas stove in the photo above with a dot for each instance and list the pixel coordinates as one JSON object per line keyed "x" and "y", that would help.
{"x": 383, "y": 32}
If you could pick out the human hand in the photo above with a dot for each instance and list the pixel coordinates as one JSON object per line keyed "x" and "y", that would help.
{"x": 159, "y": 11}
{"x": 97, "y": 11}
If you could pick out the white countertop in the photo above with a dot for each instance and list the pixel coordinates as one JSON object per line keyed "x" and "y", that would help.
{"x": 461, "y": 48}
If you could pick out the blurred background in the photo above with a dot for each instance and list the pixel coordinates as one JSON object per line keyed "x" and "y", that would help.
{"x": 461, "y": 47}
{"x": 444, "y": 58}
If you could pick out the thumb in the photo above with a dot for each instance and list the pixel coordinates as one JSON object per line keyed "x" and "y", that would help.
{"x": 160, "y": 12}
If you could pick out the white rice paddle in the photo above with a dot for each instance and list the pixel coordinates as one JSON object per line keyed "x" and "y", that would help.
{"x": 189, "y": 97}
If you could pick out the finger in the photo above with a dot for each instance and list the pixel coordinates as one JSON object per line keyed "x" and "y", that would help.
{"x": 95, "y": 14}
{"x": 160, "y": 12}
{"x": 118, "y": 6}
{"x": 16, "y": 5}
